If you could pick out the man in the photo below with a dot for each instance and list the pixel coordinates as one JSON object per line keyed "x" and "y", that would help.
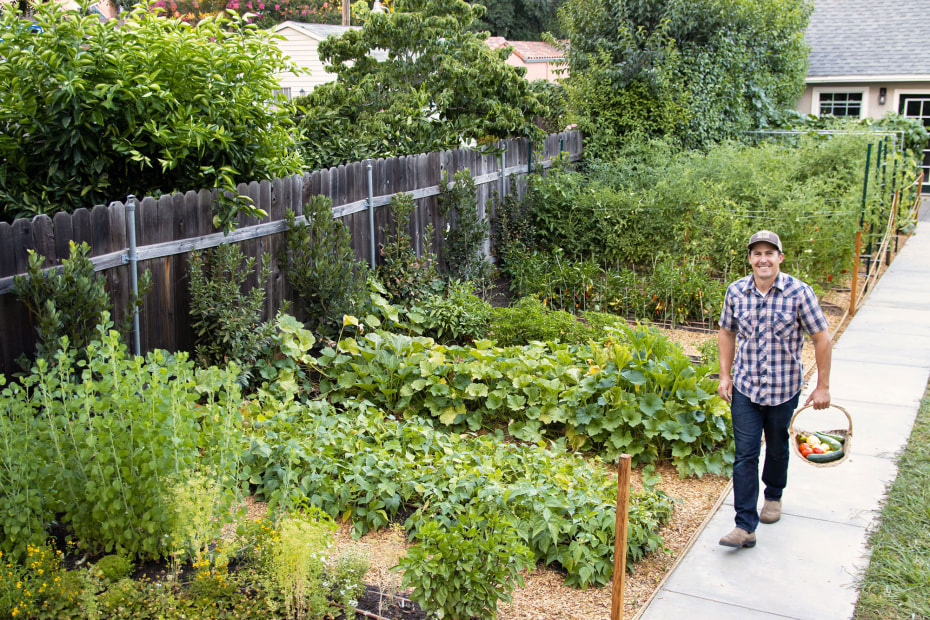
{"x": 765, "y": 316}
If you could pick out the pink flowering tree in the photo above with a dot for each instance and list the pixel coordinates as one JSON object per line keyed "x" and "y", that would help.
{"x": 264, "y": 13}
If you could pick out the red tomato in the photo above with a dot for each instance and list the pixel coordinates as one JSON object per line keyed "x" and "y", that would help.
{"x": 804, "y": 446}
{"x": 805, "y": 450}
{"x": 817, "y": 450}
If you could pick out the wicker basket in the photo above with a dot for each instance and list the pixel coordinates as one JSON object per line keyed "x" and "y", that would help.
{"x": 845, "y": 433}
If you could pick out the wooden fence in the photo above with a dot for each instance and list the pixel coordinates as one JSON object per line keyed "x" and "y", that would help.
{"x": 170, "y": 227}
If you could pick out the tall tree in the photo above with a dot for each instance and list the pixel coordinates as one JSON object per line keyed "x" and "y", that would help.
{"x": 520, "y": 20}
{"x": 436, "y": 86}
{"x": 701, "y": 70}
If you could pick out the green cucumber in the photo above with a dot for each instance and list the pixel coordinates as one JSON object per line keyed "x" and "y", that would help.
{"x": 826, "y": 457}
{"x": 830, "y": 441}
{"x": 839, "y": 438}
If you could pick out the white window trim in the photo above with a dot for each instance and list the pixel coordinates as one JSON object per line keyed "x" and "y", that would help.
{"x": 907, "y": 91}
{"x": 865, "y": 90}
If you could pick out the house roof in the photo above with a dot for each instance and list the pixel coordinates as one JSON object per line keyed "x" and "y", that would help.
{"x": 868, "y": 40}
{"x": 528, "y": 51}
{"x": 317, "y": 31}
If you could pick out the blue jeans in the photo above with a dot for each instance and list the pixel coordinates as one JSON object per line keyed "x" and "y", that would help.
{"x": 750, "y": 420}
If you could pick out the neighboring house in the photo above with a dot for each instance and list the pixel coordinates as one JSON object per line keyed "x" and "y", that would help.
{"x": 868, "y": 58}
{"x": 301, "y": 44}
{"x": 541, "y": 60}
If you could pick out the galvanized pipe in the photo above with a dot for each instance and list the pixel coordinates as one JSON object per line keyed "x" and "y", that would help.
{"x": 133, "y": 272}
{"x": 371, "y": 214}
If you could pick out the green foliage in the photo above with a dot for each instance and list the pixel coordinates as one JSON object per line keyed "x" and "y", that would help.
{"x": 294, "y": 561}
{"x": 554, "y": 100}
{"x": 463, "y": 247}
{"x": 95, "y": 110}
{"x": 463, "y": 566}
{"x": 97, "y": 443}
{"x": 70, "y": 302}
{"x": 405, "y": 276}
{"x": 511, "y": 229}
{"x": 115, "y": 566}
{"x": 320, "y": 264}
{"x": 360, "y": 464}
{"x": 439, "y": 87}
{"x": 39, "y": 587}
{"x": 454, "y": 315}
{"x": 698, "y": 71}
{"x": 345, "y": 581}
{"x": 227, "y": 322}
{"x": 520, "y": 20}
{"x": 529, "y": 320}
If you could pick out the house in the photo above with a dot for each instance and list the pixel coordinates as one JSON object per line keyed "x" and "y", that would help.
{"x": 301, "y": 44}
{"x": 868, "y": 58}
{"x": 542, "y": 61}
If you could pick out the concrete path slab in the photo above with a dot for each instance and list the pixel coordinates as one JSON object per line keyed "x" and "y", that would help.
{"x": 800, "y": 568}
{"x": 808, "y": 564}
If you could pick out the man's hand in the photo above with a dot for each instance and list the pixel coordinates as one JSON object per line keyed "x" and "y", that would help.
{"x": 820, "y": 397}
{"x": 725, "y": 389}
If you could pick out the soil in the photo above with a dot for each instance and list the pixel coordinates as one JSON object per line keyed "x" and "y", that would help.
{"x": 545, "y": 597}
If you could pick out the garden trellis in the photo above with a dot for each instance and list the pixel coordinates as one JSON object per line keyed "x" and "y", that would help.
{"x": 169, "y": 227}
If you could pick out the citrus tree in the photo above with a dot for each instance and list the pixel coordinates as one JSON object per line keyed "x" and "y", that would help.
{"x": 92, "y": 111}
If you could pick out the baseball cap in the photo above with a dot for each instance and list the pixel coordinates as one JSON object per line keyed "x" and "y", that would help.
{"x": 767, "y": 236}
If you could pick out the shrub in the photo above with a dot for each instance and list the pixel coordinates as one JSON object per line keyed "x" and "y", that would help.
{"x": 184, "y": 107}
{"x": 463, "y": 565}
{"x": 463, "y": 249}
{"x": 405, "y": 276}
{"x": 115, "y": 566}
{"x": 530, "y": 320}
{"x": 320, "y": 264}
{"x": 106, "y": 437}
{"x": 455, "y": 315}
{"x": 227, "y": 322}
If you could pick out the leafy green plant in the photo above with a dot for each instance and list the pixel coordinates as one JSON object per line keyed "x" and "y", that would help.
{"x": 463, "y": 249}
{"x": 66, "y": 303}
{"x": 320, "y": 264}
{"x": 461, "y": 567}
{"x": 455, "y": 314}
{"x": 345, "y": 579}
{"x": 530, "y": 320}
{"x": 109, "y": 434}
{"x": 226, "y": 320}
{"x": 442, "y": 86}
{"x": 115, "y": 566}
{"x": 182, "y": 105}
{"x": 405, "y": 276}
{"x": 356, "y": 462}
{"x": 511, "y": 230}
{"x": 39, "y": 587}
{"x": 294, "y": 561}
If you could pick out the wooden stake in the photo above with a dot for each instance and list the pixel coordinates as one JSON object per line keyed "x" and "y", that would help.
{"x": 855, "y": 276}
{"x": 346, "y": 12}
{"x": 623, "y": 508}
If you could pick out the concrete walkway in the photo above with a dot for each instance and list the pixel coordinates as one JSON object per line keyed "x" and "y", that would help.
{"x": 807, "y": 565}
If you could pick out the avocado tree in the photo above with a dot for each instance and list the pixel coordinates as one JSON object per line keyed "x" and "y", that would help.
{"x": 414, "y": 81}
{"x": 699, "y": 71}
{"x": 91, "y": 111}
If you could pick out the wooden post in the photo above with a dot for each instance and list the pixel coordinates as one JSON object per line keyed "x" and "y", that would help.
{"x": 855, "y": 276}
{"x": 623, "y": 507}
{"x": 346, "y": 12}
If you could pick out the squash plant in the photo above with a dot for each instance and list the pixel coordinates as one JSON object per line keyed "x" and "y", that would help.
{"x": 634, "y": 392}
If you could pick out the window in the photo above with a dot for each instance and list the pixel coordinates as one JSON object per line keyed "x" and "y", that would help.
{"x": 841, "y": 104}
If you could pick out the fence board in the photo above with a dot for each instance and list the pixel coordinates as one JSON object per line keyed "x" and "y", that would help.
{"x": 168, "y": 228}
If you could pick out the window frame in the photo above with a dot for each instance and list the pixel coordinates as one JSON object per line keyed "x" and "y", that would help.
{"x": 865, "y": 91}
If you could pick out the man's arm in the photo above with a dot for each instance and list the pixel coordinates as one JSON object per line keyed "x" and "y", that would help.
{"x": 726, "y": 351}
{"x": 823, "y": 353}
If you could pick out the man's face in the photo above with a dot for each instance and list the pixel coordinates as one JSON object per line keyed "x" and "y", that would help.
{"x": 765, "y": 260}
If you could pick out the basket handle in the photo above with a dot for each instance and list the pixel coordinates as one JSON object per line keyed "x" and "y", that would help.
{"x": 846, "y": 413}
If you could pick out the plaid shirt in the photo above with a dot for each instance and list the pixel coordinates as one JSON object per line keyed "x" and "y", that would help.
{"x": 770, "y": 335}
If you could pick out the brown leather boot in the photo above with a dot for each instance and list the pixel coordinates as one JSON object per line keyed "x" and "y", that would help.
{"x": 739, "y": 538}
{"x": 771, "y": 511}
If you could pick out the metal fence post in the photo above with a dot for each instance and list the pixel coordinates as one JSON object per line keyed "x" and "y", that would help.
{"x": 371, "y": 214}
{"x": 133, "y": 272}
